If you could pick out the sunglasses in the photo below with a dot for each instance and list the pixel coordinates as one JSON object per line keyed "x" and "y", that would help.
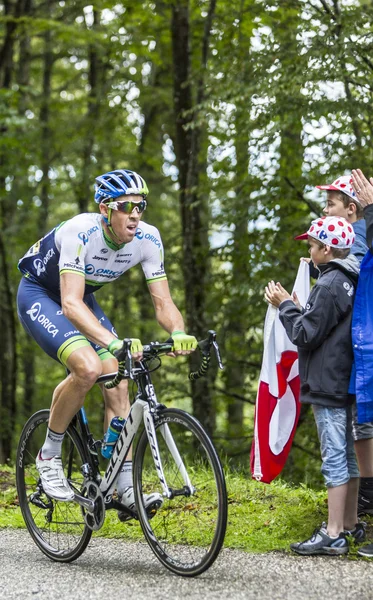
{"x": 128, "y": 206}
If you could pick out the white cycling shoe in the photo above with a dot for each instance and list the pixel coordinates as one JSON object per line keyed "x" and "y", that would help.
{"x": 53, "y": 479}
{"x": 152, "y": 503}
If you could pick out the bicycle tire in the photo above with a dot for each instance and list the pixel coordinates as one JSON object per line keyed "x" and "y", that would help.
{"x": 59, "y": 529}
{"x": 185, "y": 533}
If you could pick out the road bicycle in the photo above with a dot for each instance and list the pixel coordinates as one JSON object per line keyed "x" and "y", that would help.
{"x": 174, "y": 457}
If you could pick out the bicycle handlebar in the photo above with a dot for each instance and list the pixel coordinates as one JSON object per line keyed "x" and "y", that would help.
{"x": 155, "y": 349}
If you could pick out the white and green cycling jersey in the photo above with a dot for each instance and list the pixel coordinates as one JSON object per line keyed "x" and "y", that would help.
{"x": 81, "y": 246}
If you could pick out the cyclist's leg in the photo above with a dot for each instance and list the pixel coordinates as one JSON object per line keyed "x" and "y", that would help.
{"x": 41, "y": 315}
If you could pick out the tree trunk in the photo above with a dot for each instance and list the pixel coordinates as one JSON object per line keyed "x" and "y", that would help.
{"x": 192, "y": 203}
{"x": 96, "y": 72}
{"x": 8, "y": 359}
{"x": 7, "y": 50}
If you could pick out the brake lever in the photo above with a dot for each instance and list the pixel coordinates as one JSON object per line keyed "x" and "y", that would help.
{"x": 217, "y": 354}
{"x": 127, "y": 358}
{"x": 205, "y": 347}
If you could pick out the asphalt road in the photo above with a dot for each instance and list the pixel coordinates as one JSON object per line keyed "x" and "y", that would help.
{"x": 115, "y": 569}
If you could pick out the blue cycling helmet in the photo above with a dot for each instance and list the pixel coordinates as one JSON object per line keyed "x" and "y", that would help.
{"x": 119, "y": 183}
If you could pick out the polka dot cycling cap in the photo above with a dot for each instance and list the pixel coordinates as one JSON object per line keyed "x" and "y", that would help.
{"x": 342, "y": 184}
{"x": 331, "y": 231}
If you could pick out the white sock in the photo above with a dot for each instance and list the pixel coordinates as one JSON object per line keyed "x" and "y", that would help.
{"x": 52, "y": 445}
{"x": 125, "y": 477}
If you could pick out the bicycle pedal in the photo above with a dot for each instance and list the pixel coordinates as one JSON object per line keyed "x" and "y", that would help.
{"x": 126, "y": 515}
{"x": 153, "y": 508}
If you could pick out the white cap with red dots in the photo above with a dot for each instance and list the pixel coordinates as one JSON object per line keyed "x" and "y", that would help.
{"x": 342, "y": 184}
{"x": 336, "y": 232}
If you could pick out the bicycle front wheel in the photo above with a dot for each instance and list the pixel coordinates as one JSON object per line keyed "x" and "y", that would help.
{"x": 57, "y": 528}
{"x": 187, "y": 532}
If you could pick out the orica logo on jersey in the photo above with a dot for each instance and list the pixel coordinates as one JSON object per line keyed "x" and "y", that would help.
{"x": 89, "y": 269}
{"x": 34, "y": 313}
{"x": 40, "y": 264}
{"x": 139, "y": 234}
{"x": 153, "y": 239}
{"x": 84, "y": 236}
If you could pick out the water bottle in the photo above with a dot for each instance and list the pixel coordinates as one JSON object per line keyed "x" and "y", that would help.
{"x": 111, "y": 436}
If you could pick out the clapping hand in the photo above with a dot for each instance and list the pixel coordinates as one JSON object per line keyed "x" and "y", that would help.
{"x": 362, "y": 187}
{"x": 275, "y": 294}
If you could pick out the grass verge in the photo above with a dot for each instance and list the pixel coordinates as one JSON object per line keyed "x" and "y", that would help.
{"x": 261, "y": 517}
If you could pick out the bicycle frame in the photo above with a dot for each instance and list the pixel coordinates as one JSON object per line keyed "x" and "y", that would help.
{"x": 143, "y": 409}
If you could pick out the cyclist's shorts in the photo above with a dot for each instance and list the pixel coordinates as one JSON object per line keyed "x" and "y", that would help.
{"x": 41, "y": 316}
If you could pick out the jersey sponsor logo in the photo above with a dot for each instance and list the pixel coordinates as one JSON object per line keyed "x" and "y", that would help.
{"x": 99, "y": 258}
{"x": 71, "y": 333}
{"x": 108, "y": 273}
{"x": 89, "y": 269}
{"x": 158, "y": 273}
{"x": 153, "y": 239}
{"x": 74, "y": 266}
{"x": 118, "y": 260}
{"x": 126, "y": 254}
{"x": 34, "y": 314}
{"x": 104, "y": 250}
{"x": 41, "y": 263}
{"x": 84, "y": 236}
{"x": 139, "y": 234}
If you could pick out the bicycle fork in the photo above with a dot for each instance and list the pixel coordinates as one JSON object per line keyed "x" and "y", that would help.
{"x": 168, "y": 492}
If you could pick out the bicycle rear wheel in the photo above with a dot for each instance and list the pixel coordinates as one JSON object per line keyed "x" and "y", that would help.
{"x": 187, "y": 532}
{"x": 57, "y": 528}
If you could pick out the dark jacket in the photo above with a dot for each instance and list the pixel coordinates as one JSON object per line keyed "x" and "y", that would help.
{"x": 322, "y": 332}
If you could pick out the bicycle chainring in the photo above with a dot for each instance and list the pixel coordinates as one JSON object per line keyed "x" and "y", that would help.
{"x": 94, "y": 520}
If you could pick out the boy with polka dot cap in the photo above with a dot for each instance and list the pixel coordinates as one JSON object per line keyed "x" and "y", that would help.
{"x": 341, "y": 201}
{"x": 322, "y": 333}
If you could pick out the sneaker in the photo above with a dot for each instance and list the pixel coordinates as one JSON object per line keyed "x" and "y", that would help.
{"x": 358, "y": 533}
{"x": 152, "y": 503}
{"x": 366, "y": 551}
{"x": 364, "y": 505}
{"x": 321, "y": 543}
{"x": 53, "y": 479}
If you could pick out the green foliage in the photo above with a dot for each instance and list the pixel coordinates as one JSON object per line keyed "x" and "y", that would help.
{"x": 286, "y": 106}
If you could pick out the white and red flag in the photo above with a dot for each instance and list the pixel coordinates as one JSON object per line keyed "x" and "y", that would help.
{"x": 277, "y": 403}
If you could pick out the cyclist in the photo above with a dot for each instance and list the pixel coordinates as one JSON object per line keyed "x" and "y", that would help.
{"x": 57, "y": 307}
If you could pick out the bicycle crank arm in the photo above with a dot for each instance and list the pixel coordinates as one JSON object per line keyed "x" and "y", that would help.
{"x": 88, "y": 504}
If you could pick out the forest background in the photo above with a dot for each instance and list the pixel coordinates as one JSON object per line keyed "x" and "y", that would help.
{"x": 232, "y": 112}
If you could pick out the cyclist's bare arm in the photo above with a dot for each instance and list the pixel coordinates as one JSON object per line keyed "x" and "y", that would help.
{"x": 166, "y": 312}
{"x": 72, "y": 292}
{"x": 169, "y": 317}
